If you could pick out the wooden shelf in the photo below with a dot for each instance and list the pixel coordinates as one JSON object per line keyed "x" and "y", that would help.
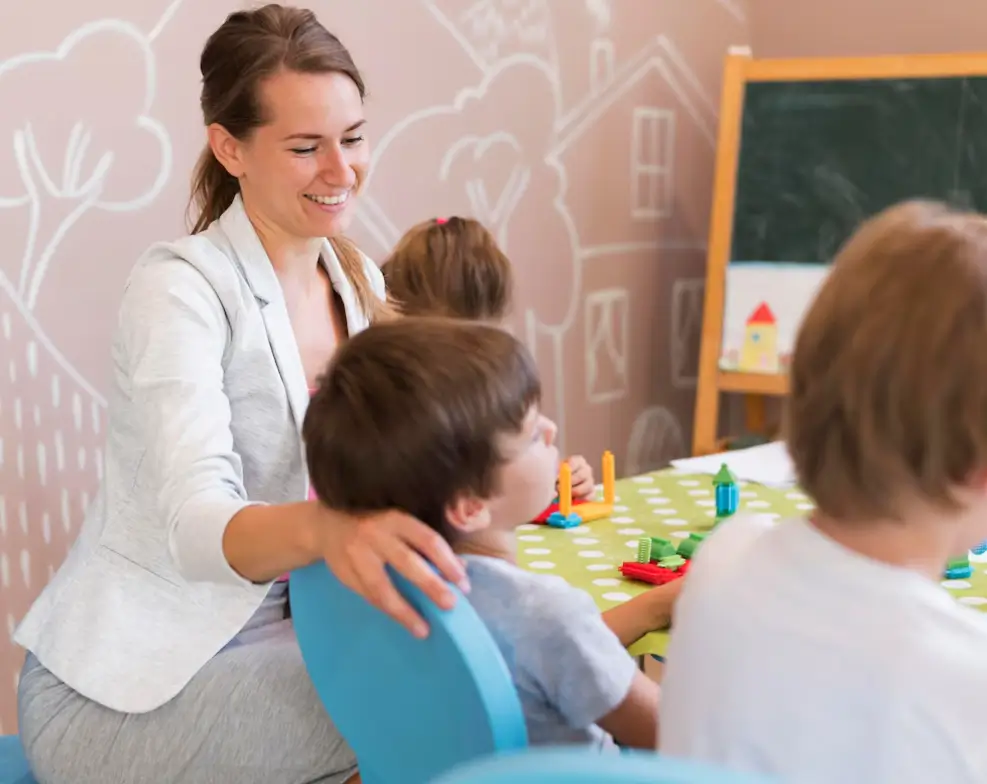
{"x": 753, "y": 383}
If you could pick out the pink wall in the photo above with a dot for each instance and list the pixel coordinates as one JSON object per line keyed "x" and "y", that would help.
{"x": 540, "y": 117}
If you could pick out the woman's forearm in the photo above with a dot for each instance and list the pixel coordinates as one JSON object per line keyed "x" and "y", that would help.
{"x": 261, "y": 543}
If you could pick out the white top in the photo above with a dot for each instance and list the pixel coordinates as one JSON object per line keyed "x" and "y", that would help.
{"x": 205, "y": 408}
{"x": 793, "y": 656}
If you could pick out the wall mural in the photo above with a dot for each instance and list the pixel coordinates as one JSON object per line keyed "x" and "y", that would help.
{"x": 582, "y": 134}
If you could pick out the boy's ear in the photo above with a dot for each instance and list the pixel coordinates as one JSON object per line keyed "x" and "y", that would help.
{"x": 468, "y": 513}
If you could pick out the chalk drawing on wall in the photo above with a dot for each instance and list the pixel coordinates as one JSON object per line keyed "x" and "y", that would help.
{"x": 656, "y": 438}
{"x": 687, "y": 324}
{"x": 58, "y": 188}
{"x": 607, "y": 320}
{"x": 512, "y": 43}
{"x": 735, "y": 8}
{"x": 492, "y": 30}
{"x": 652, "y": 156}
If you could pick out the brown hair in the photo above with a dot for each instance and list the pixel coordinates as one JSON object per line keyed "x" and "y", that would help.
{"x": 450, "y": 267}
{"x": 249, "y": 47}
{"x": 409, "y": 413}
{"x": 889, "y": 376}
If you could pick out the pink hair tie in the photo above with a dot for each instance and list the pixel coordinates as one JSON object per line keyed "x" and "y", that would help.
{"x": 441, "y": 221}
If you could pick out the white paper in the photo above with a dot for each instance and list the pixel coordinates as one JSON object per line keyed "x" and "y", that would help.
{"x": 767, "y": 464}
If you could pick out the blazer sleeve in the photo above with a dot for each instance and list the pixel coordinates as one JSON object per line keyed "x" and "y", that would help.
{"x": 175, "y": 334}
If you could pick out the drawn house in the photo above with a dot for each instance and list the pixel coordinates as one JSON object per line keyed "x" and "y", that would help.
{"x": 646, "y": 118}
{"x": 759, "y": 353}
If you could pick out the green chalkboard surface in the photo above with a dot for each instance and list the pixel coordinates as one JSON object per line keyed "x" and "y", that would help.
{"x": 816, "y": 158}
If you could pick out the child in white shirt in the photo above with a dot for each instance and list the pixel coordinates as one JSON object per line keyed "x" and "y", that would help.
{"x": 824, "y": 649}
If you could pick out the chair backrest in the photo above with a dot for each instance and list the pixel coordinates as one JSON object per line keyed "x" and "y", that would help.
{"x": 410, "y": 709}
{"x": 575, "y": 765}
{"x": 13, "y": 765}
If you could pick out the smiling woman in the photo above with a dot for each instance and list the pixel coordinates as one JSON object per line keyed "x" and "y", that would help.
{"x": 164, "y": 640}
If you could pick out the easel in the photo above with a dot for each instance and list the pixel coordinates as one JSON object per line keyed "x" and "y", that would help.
{"x": 740, "y": 69}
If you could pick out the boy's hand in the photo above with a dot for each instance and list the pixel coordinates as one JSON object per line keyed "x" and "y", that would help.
{"x": 583, "y": 486}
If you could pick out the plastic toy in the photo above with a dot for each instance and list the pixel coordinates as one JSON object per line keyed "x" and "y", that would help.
{"x": 980, "y": 549}
{"x": 652, "y": 573}
{"x": 727, "y": 492}
{"x": 665, "y": 562}
{"x": 958, "y": 568}
{"x": 573, "y": 512}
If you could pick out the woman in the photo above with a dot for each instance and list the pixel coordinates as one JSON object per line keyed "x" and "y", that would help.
{"x": 161, "y": 651}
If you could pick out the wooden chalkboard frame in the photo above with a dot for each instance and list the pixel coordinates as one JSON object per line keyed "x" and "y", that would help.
{"x": 740, "y": 69}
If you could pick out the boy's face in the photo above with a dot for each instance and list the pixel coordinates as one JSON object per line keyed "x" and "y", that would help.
{"x": 525, "y": 482}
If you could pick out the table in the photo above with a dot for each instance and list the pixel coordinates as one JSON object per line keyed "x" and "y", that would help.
{"x": 670, "y": 504}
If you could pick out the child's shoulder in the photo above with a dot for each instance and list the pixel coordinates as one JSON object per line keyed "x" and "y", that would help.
{"x": 501, "y": 588}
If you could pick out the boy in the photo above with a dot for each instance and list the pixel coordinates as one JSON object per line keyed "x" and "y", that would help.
{"x": 439, "y": 418}
{"x": 453, "y": 267}
{"x": 824, "y": 649}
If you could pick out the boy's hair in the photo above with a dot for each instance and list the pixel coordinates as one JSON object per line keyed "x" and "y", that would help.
{"x": 409, "y": 415}
{"x": 889, "y": 375}
{"x": 450, "y": 268}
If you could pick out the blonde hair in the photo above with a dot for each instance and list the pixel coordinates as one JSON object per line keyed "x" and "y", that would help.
{"x": 889, "y": 374}
{"x": 450, "y": 267}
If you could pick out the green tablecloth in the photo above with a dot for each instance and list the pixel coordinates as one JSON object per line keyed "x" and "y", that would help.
{"x": 669, "y": 504}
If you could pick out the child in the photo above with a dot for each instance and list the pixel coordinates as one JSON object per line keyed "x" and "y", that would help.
{"x": 824, "y": 649}
{"x": 453, "y": 267}
{"x": 439, "y": 418}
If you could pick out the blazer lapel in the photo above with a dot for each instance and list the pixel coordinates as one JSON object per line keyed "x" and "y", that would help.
{"x": 259, "y": 272}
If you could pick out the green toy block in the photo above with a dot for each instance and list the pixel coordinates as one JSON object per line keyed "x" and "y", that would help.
{"x": 661, "y": 548}
{"x": 688, "y": 547}
{"x": 673, "y": 562}
{"x": 724, "y": 476}
{"x": 644, "y": 550}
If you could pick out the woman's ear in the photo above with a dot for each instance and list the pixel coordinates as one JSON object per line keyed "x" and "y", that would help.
{"x": 468, "y": 514}
{"x": 226, "y": 149}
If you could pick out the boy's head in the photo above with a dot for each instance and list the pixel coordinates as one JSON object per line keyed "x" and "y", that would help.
{"x": 438, "y": 418}
{"x": 450, "y": 267}
{"x": 888, "y": 404}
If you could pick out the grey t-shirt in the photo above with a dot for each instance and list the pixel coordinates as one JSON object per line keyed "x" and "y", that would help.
{"x": 570, "y": 670}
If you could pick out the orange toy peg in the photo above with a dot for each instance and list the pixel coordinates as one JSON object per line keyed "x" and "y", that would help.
{"x": 609, "y": 478}
{"x": 565, "y": 489}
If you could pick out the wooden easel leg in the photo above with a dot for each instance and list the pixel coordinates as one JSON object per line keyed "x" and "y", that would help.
{"x": 756, "y": 414}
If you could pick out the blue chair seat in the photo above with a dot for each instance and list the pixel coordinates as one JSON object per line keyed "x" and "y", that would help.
{"x": 410, "y": 709}
{"x": 13, "y": 765}
{"x": 574, "y": 765}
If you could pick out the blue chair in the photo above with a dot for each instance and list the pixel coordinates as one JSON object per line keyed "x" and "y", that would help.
{"x": 575, "y": 765}
{"x": 13, "y": 766}
{"x": 410, "y": 709}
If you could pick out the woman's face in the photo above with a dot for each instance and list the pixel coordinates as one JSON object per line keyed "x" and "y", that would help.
{"x": 300, "y": 172}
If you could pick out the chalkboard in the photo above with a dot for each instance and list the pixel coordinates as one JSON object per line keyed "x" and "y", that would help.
{"x": 807, "y": 150}
{"x": 817, "y": 158}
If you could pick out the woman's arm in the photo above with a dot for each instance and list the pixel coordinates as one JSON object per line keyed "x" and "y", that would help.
{"x": 176, "y": 335}
{"x": 644, "y": 613}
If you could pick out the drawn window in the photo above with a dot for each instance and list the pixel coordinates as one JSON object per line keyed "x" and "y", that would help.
{"x": 652, "y": 148}
{"x": 601, "y": 57}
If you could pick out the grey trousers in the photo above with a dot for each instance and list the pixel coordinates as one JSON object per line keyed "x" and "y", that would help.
{"x": 250, "y": 716}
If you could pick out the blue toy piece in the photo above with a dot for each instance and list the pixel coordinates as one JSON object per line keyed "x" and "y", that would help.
{"x": 559, "y": 520}
{"x": 726, "y": 491}
{"x": 573, "y": 765}
{"x": 410, "y": 709}
{"x": 13, "y": 765}
{"x": 980, "y": 549}
{"x": 958, "y": 573}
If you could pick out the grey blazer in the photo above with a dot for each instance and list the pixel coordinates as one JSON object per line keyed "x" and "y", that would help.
{"x": 206, "y": 403}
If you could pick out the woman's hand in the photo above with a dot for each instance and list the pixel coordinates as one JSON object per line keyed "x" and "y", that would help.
{"x": 583, "y": 486}
{"x": 357, "y": 549}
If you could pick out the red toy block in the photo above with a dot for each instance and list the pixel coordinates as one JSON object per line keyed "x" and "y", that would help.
{"x": 652, "y": 573}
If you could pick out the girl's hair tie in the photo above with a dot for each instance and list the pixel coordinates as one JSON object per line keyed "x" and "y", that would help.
{"x": 441, "y": 221}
